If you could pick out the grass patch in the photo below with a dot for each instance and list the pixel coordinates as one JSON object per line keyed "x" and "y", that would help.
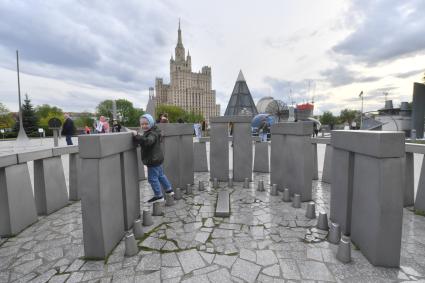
{"x": 420, "y": 212}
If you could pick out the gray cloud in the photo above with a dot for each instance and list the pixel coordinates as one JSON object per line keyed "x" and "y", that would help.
{"x": 118, "y": 45}
{"x": 340, "y": 75}
{"x": 404, "y": 75}
{"x": 384, "y": 30}
{"x": 300, "y": 91}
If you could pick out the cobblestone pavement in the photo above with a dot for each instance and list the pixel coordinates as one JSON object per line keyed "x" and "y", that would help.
{"x": 264, "y": 240}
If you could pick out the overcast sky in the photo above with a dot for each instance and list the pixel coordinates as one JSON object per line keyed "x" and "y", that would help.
{"x": 74, "y": 54}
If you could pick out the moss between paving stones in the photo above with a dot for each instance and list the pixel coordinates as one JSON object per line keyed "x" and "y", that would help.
{"x": 419, "y": 212}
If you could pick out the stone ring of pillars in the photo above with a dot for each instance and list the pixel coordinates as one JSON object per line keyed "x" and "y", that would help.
{"x": 19, "y": 206}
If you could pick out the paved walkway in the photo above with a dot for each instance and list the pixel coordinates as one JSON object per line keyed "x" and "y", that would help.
{"x": 264, "y": 240}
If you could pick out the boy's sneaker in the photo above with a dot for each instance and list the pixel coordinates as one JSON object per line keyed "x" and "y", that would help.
{"x": 170, "y": 193}
{"x": 156, "y": 199}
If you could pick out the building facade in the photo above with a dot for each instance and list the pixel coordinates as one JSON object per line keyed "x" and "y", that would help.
{"x": 188, "y": 90}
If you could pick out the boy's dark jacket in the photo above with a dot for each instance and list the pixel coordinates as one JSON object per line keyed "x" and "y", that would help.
{"x": 150, "y": 142}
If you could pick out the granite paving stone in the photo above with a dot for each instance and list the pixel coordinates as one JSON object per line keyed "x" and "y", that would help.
{"x": 190, "y": 260}
{"x": 245, "y": 270}
{"x": 263, "y": 240}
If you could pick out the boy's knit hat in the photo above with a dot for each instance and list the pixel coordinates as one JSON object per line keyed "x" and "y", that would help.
{"x": 150, "y": 119}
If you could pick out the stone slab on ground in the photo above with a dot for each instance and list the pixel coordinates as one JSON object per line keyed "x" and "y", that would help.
{"x": 223, "y": 204}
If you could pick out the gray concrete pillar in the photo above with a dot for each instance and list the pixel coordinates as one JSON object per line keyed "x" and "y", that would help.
{"x": 420, "y": 194}
{"x": 219, "y": 149}
{"x": 74, "y": 175}
{"x": 373, "y": 163}
{"x": 74, "y": 169}
{"x": 408, "y": 178}
{"x": 106, "y": 160}
{"x": 130, "y": 187}
{"x": 342, "y": 188}
{"x": 200, "y": 163}
{"x": 17, "y": 205}
{"x": 178, "y": 153}
{"x": 277, "y": 149}
{"x": 327, "y": 165}
{"x": 140, "y": 166}
{"x": 315, "y": 163}
{"x": 242, "y": 148}
{"x": 294, "y": 157}
{"x": 49, "y": 185}
{"x": 261, "y": 157}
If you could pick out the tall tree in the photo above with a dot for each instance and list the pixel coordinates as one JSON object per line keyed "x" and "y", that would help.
{"x": 30, "y": 120}
{"x": 328, "y": 118}
{"x": 128, "y": 114}
{"x": 348, "y": 115}
{"x": 6, "y": 118}
{"x": 46, "y": 112}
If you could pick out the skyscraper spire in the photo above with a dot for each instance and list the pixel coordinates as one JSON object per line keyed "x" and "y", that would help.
{"x": 179, "y": 39}
{"x": 179, "y": 48}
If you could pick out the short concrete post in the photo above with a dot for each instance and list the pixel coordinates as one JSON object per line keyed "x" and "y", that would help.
{"x": 296, "y": 201}
{"x": 246, "y": 183}
{"x": 137, "y": 229}
{"x": 158, "y": 209}
{"x": 413, "y": 135}
{"x": 130, "y": 245}
{"x": 230, "y": 183}
{"x": 273, "y": 191}
{"x": 169, "y": 200}
{"x": 311, "y": 210}
{"x": 260, "y": 187}
{"x": 322, "y": 222}
{"x": 201, "y": 186}
{"x": 147, "y": 217}
{"x": 189, "y": 190}
{"x": 286, "y": 195}
{"x": 215, "y": 183}
{"x": 334, "y": 235}
{"x": 344, "y": 250}
{"x": 177, "y": 194}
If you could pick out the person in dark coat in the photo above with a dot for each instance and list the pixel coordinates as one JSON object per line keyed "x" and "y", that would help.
{"x": 68, "y": 129}
{"x": 153, "y": 157}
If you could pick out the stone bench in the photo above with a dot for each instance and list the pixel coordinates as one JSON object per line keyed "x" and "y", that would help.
{"x": 223, "y": 204}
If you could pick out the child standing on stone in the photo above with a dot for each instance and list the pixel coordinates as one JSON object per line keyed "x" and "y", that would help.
{"x": 153, "y": 156}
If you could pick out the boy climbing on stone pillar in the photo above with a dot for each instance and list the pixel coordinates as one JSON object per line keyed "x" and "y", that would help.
{"x": 152, "y": 157}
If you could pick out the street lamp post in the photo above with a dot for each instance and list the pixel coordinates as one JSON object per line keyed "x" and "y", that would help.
{"x": 22, "y": 136}
{"x": 361, "y": 113}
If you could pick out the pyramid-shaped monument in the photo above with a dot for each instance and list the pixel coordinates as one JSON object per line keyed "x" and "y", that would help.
{"x": 241, "y": 102}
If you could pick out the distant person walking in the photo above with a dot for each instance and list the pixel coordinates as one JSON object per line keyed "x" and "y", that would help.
{"x": 153, "y": 157}
{"x": 116, "y": 127}
{"x": 102, "y": 126}
{"x": 68, "y": 129}
{"x": 164, "y": 118}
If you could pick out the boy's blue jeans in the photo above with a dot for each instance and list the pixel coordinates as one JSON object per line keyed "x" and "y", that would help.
{"x": 157, "y": 178}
